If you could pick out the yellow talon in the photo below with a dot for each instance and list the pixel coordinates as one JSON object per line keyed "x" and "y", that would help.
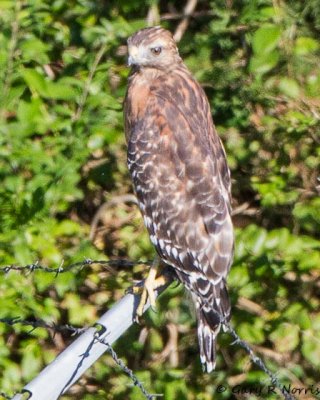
{"x": 148, "y": 289}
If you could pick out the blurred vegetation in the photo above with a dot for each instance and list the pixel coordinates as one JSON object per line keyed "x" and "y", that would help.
{"x": 62, "y": 157}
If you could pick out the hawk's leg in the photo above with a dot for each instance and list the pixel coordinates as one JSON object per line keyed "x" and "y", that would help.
{"x": 152, "y": 283}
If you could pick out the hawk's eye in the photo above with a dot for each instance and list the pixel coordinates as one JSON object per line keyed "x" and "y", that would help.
{"x": 156, "y": 50}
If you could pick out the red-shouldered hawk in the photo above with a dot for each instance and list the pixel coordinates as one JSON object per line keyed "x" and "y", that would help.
{"x": 180, "y": 176}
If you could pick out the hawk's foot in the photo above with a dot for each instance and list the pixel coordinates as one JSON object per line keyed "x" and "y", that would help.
{"x": 147, "y": 291}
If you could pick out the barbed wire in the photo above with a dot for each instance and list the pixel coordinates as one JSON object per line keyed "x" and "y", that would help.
{"x": 129, "y": 372}
{"x": 38, "y": 323}
{"x": 119, "y": 263}
{"x": 126, "y": 369}
{"x": 257, "y": 361}
{"x": 55, "y": 328}
{"x": 75, "y": 331}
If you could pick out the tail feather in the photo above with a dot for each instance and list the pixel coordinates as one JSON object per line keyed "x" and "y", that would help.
{"x": 207, "y": 343}
{"x": 209, "y": 325}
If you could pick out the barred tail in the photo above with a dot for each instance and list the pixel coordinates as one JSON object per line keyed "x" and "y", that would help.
{"x": 209, "y": 325}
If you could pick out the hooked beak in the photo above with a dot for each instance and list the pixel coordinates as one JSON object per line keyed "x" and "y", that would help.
{"x": 133, "y": 53}
{"x": 130, "y": 61}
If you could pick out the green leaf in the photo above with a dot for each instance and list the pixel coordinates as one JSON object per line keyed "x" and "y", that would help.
{"x": 298, "y": 314}
{"x": 305, "y": 45}
{"x": 35, "y": 81}
{"x": 59, "y": 91}
{"x": 238, "y": 276}
{"x": 289, "y": 87}
{"x": 33, "y": 49}
{"x": 311, "y": 347}
{"x": 266, "y": 39}
{"x": 48, "y": 89}
{"x": 155, "y": 341}
{"x": 263, "y": 63}
{"x": 285, "y": 337}
{"x": 252, "y": 332}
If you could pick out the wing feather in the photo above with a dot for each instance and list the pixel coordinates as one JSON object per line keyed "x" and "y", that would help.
{"x": 182, "y": 181}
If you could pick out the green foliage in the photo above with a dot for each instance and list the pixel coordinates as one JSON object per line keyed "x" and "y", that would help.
{"x": 62, "y": 155}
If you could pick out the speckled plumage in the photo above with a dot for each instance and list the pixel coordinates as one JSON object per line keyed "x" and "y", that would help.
{"x": 181, "y": 178}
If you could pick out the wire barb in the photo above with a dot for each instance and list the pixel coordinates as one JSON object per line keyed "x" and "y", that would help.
{"x": 5, "y": 396}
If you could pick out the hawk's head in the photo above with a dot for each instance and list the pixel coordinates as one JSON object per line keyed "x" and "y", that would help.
{"x": 153, "y": 47}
